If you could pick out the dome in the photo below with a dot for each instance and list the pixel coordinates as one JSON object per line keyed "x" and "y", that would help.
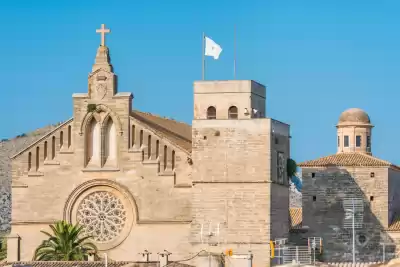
{"x": 354, "y": 116}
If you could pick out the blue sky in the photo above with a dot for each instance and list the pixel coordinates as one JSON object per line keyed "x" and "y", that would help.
{"x": 317, "y": 58}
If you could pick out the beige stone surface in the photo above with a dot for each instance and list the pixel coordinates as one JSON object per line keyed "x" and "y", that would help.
{"x": 168, "y": 185}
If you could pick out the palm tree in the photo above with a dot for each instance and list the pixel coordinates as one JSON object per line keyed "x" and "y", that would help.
{"x": 3, "y": 249}
{"x": 64, "y": 244}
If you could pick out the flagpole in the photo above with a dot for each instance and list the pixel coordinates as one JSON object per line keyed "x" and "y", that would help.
{"x": 202, "y": 57}
{"x": 234, "y": 52}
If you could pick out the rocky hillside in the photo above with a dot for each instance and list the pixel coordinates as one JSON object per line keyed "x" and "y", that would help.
{"x": 9, "y": 147}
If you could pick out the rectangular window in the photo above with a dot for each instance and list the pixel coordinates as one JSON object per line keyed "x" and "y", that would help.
{"x": 346, "y": 141}
{"x": 358, "y": 141}
{"x": 368, "y": 141}
{"x": 338, "y": 141}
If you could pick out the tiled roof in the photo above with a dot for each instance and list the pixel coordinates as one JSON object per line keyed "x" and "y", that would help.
{"x": 348, "y": 159}
{"x": 88, "y": 264}
{"x": 395, "y": 224}
{"x": 296, "y": 218}
{"x": 178, "y": 133}
{"x": 67, "y": 264}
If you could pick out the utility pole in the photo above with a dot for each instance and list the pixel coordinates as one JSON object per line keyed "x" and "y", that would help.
{"x": 353, "y": 215}
{"x": 354, "y": 236}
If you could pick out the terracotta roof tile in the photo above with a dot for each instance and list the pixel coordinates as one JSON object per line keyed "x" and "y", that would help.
{"x": 87, "y": 264}
{"x": 178, "y": 133}
{"x": 69, "y": 264}
{"x": 395, "y": 225}
{"x": 351, "y": 159}
{"x": 296, "y": 218}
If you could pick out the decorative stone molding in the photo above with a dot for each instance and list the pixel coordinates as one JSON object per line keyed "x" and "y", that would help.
{"x": 109, "y": 113}
{"x": 79, "y": 207}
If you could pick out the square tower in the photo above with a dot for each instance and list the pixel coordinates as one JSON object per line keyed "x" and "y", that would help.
{"x": 240, "y": 198}
{"x": 247, "y": 98}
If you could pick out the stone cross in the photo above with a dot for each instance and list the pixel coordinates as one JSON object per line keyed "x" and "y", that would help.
{"x": 103, "y": 32}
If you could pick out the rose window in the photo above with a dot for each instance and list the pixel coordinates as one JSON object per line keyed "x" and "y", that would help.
{"x": 102, "y": 215}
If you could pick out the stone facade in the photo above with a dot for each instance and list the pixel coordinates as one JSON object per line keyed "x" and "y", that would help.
{"x": 150, "y": 189}
{"x": 331, "y": 183}
{"x": 138, "y": 181}
{"x": 236, "y": 173}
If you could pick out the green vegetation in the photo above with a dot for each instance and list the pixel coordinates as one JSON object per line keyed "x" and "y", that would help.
{"x": 64, "y": 244}
{"x": 21, "y": 135}
{"x": 3, "y": 249}
{"x": 91, "y": 107}
{"x": 291, "y": 167}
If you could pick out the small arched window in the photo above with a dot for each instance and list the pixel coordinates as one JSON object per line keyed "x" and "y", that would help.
{"x": 69, "y": 136}
{"x": 165, "y": 157}
{"x": 233, "y": 112}
{"x": 37, "y": 158}
{"x": 211, "y": 113}
{"x": 45, "y": 151}
{"x": 149, "y": 146}
{"x": 141, "y": 138}
{"x": 61, "y": 139}
{"x": 53, "y": 147}
{"x": 133, "y": 136}
{"x": 173, "y": 160}
{"x": 157, "y": 149}
{"x": 29, "y": 161}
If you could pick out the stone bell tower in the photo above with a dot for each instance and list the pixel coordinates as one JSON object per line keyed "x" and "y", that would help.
{"x": 240, "y": 198}
{"x": 101, "y": 116}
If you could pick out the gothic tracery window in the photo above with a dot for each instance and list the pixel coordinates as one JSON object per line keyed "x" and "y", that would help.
{"x": 110, "y": 149}
{"x": 102, "y": 215}
{"x": 93, "y": 142}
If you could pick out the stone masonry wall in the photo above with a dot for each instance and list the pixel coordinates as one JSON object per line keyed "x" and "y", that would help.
{"x": 232, "y": 176}
{"x": 323, "y": 192}
{"x": 156, "y": 198}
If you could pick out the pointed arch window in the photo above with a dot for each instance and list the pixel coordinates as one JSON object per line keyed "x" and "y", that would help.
{"x": 133, "y": 135}
{"x": 165, "y": 157}
{"x": 37, "y": 158}
{"x": 149, "y": 146}
{"x": 173, "y": 160}
{"x": 53, "y": 147}
{"x": 211, "y": 113}
{"x": 141, "y": 139}
{"x": 45, "y": 150}
{"x": 61, "y": 139}
{"x": 110, "y": 139}
{"x": 69, "y": 136}
{"x": 233, "y": 112}
{"x": 29, "y": 161}
{"x": 93, "y": 142}
{"x": 157, "y": 149}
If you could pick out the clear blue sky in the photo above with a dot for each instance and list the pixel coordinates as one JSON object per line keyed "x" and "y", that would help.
{"x": 317, "y": 58}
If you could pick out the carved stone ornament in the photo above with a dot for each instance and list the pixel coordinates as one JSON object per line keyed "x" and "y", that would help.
{"x": 281, "y": 167}
{"x": 101, "y": 90}
{"x": 103, "y": 216}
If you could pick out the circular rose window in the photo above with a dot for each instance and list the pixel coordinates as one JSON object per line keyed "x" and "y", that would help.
{"x": 102, "y": 215}
{"x": 105, "y": 210}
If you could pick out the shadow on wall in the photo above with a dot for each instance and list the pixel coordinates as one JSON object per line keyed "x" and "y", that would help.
{"x": 327, "y": 194}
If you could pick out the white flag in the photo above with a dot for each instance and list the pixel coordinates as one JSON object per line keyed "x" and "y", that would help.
{"x": 212, "y": 48}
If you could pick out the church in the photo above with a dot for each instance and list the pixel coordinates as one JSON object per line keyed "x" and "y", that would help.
{"x": 139, "y": 182}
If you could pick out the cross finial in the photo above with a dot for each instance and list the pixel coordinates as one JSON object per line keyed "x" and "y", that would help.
{"x": 103, "y": 32}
